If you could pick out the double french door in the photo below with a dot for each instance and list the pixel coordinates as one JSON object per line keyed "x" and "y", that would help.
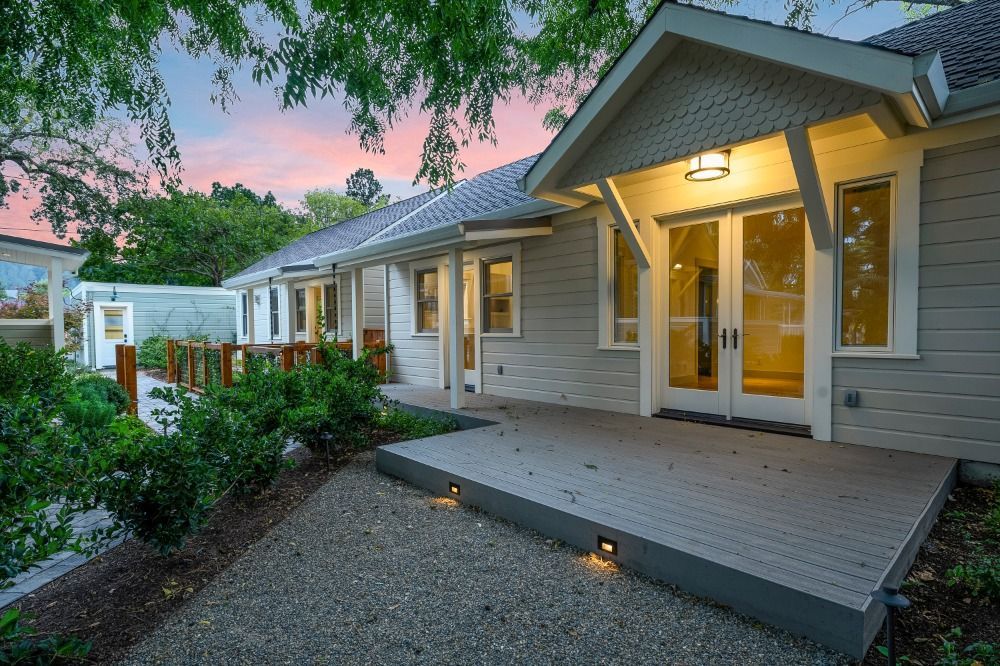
{"x": 736, "y": 314}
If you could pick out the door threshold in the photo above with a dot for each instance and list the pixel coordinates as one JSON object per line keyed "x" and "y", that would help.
{"x": 743, "y": 424}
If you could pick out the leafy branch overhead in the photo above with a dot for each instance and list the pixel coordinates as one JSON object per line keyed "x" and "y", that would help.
{"x": 77, "y": 63}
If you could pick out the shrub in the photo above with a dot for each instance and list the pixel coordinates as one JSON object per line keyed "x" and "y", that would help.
{"x": 26, "y": 371}
{"x": 981, "y": 576}
{"x": 94, "y": 386}
{"x": 18, "y": 644}
{"x": 152, "y": 353}
{"x": 88, "y": 412}
{"x": 975, "y": 654}
{"x": 411, "y": 426}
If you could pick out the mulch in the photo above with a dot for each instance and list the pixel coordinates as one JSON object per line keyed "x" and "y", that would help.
{"x": 119, "y": 597}
{"x": 937, "y": 607}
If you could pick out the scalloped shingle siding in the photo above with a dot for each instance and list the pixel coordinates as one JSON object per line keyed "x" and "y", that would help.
{"x": 702, "y": 98}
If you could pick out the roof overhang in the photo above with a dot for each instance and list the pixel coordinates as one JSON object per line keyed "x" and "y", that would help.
{"x": 40, "y": 253}
{"x": 916, "y": 86}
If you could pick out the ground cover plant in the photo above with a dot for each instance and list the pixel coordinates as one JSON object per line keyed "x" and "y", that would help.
{"x": 953, "y": 584}
{"x": 164, "y": 485}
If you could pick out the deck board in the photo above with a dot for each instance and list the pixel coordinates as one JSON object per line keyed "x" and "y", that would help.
{"x": 793, "y": 531}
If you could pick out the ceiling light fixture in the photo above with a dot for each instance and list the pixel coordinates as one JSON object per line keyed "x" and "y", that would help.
{"x": 710, "y": 166}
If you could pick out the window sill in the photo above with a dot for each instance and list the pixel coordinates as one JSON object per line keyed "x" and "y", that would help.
{"x": 631, "y": 348}
{"x": 873, "y": 354}
{"x": 423, "y": 335}
{"x": 500, "y": 335}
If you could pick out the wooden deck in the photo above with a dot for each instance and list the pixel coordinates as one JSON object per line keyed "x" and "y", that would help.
{"x": 794, "y": 532}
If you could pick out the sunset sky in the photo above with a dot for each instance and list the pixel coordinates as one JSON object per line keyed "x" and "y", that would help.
{"x": 291, "y": 152}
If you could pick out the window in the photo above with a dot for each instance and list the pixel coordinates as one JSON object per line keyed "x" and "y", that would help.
{"x": 625, "y": 292}
{"x": 244, "y": 318}
{"x": 865, "y": 266}
{"x": 426, "y": 285}
{"x": 330, "y": 307}
{"x": 300, "y": 310}
{"x": 498, "y": 295}
{"x": 275, "y": 314}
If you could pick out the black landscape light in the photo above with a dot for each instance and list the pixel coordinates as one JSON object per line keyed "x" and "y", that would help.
{"x": 892, "y": 599}
{"x": 606, "y": 545}
{"x": 454, "y": 488}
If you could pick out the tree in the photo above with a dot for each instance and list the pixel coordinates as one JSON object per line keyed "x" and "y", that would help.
{"x": 453, "y": 60}
{"x": 194, "y": 239}
{"x": 324, "y": 208}
{"x": 226, "y": 194}
{"x": 363, "y": 186}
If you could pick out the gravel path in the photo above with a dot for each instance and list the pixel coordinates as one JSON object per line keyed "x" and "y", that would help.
{"x": 372, "y": 570}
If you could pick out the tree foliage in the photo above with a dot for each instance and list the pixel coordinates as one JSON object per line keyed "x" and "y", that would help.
{"x": 327, "y": 207}
{"x": 186, "y": 237}
{"x": 363, "y": 186}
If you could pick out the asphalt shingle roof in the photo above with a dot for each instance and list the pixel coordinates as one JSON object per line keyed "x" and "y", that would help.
{"x": 342, "y": 236}
{"x": 489, "y": 191}
{"x": 968, "y": 37}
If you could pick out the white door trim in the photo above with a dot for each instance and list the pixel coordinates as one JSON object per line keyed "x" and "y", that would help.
{"x": 99, "y": 360}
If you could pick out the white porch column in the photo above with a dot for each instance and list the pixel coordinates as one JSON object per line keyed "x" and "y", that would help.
{"x": 456, "y": 327}
{"x": 290, "y": 312}
{"x": 250, "y": 316}
{"x": 387, "y": 336}
{"x": 56, "y": 303}
{"x": 358, "y": 310}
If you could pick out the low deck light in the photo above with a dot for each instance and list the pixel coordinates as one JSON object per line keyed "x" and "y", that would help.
{"x": 606, "y": 545}
{"x": 454, "y": 488}
{"x": 709, "y": 166}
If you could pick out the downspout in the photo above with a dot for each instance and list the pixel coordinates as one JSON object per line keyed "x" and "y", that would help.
{"x": 336, "y": 291}
{"x": 270, "y": 309}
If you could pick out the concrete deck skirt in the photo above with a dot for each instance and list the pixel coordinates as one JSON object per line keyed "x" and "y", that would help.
{"x": 791, "y": 531}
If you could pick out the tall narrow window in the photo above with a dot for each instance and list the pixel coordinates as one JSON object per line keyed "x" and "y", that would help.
{"x": 330, "y": 307}
{"x": 865, "y": 268}
{"x": 625, "y": 289}
{"x": 427, "y": 301}
{"x": 244, "y": 314}
{"x": 498, "y": 295}
{"x": 300, "y": 310}
{"x": 275, "y": 312}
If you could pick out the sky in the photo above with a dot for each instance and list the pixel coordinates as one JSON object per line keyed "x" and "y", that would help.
{"x": 290, "y": 152}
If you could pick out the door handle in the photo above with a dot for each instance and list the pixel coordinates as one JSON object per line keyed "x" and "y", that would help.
{"x": 723, "y": 336}
{"x": 736, "y": 338}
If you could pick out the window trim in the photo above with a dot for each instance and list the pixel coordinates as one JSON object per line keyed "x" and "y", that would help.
{"x": 484, "y": 297}
{"x": 336, "y": 308}
{"x": 479, "y": 258}
{"x": 417, "y": 269}
{"x": 301, "y": 308}
{"x": 244, "y": 314}
{"x": 274, "y": 311}
{"x": 890, "y": 347}
{"x": 606, "y": 285}
{"x": 612, "y": 291}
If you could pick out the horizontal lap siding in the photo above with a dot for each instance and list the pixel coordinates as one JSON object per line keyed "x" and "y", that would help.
{"x": 375, "y": 297}
{"x": 948, "y": 402}
{"x": 556, "y": 359}
{"x": 36, "y": 335}
{"x": 178, "y": 315}
{"x": 414, "y": 360}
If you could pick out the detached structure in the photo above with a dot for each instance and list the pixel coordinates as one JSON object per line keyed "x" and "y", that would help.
{"x": 129, "y": 313}
{"x": 743, "y": 224}
{"x": 56, "y": 260}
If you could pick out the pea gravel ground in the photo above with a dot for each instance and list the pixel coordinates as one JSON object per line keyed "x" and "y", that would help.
{"x": 372, "y": 570}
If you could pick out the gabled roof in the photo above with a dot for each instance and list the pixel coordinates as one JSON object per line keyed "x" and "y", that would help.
{"x": 38, "y": 253}
{"x": 968, "y": 37}
{"x": 490, "y": 191}
{"x": 340, "y": 236}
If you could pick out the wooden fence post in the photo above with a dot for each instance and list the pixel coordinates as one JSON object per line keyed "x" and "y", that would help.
{"x": 246, "y": 357}
{"x": 287, "y": 357}
{"x": 226, "y": 364}
{"x": 126, "y": 375}
{"x": 191, "y": 365}
{"x": 171, "y": 362}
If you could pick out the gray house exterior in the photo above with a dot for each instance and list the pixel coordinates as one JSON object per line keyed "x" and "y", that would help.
{"x": 742, "y": 223}
{"x": 130, "y": 313}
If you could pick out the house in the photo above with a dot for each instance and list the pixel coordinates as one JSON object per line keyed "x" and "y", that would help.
{"x": 56, "y": 260}
{"x": 742, "y": 221}
{"x": 129, "y": 313}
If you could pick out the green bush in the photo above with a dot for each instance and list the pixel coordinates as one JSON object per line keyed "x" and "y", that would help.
{"x": 93, "y": 386}
{"x": 88, "y": 412}
{"x": 981, "y": 576}
{"x": 26, "y": 371}
{"x": 980, "y": 653}
{"x": 152, "y": 353}
{"x": 18, "y": 644}
{"x": 411, "y": 426}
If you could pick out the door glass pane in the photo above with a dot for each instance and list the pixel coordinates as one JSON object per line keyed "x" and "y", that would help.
{"x": 865, "y": 257}
{"x": 774, "y": 286}
{"x": 114, "y": 324}
{"x": 469, "y": 308}
{"x": 694, "y": 306}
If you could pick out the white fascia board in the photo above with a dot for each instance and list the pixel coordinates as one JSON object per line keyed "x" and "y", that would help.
{"x": 867, "y": 66}
{"x": 252, "y": 278}
{"x": 931, "y": 81}
{"x": 391, "y": 247}
{"x": 126, "y": 288}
